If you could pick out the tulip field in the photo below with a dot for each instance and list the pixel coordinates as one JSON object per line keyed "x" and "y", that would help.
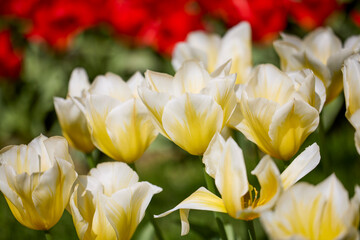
{"x": 185, "y": 119}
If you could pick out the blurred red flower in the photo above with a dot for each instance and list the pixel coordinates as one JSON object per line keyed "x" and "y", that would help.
{"x": 10, "y": 61}
{"x": 59, "y": 21}
{"x": 266, "y": 17}
{"x": 18, "y": 8}
{"x": 355, "y": 16}
{"x": 171, "y": 22}
{"x": 310, "y": 14}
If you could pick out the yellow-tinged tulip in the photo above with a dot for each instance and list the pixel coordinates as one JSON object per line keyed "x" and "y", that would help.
{"x": 277, "y": 111}
{"x": 119, "y": 123}
{"x": 214, "y": 51}
{"x": 36, "y": 180}
{"x": 109, "y": 203}
{"x": 224, "y": 162}
{"x": 322, "y": 52}
{"x": 72, "y": 120}
{"x": 192, "y": 106}
{"x": 322, "y": 212}
{"x": 351, "y": 72}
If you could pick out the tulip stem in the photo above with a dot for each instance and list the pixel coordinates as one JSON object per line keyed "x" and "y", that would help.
{"x": 325, "y": 160}
{"x": 251, "y": 229}
{"x": 90, "y": 159}
{"x": 156, "y": 226}
{"x": 211, "y": 187}
{"x": 47, "y": 235}
{"x": 133, "y": 166}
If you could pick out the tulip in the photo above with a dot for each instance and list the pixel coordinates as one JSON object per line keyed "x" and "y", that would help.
{"x": 214, "y": 51}
{"x": 119, "y": 123}
{"x": 322, "y": 212}
{"x": 224, "y": 162}
{"x": 36, "y": 180}
{"x": 277, "y": 111}
{"x": 72, "y": 120}
{"x": 109, "y": 203}
{"x": 321, "y": 51}
{"x": 192, "y": 106}
{"x": 351, "y": 72}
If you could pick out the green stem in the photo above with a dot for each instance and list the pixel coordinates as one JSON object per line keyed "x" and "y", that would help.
{"x": 251, "y": 230}
{"x": 211, "y": 187}
{"x": 132, "y": 165}
{"x": 90, "y": 160}
{"x": 325, "y": 160}
{"x": 47, "y": 235}
{"x": 257, "y": 155}
{"x": 156, "y": 226}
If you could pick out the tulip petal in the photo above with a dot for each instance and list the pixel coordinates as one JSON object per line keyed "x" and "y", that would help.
{"x": 301, "y": 165}
{"x": 257, "y": 115}
{"x": 351, "y": 73}
{"x": 134, "y": 82}
{"x": 288, "y": 50}
{"x": 191, "y": 121}
{"x": 159, "y": 82}
{"x": 114, "y": 176}
{"x": 236, "y": 45}
{"x": 213, "y": 154}
{"x": 155, "y": 103}
{"x": 73, "y": 124}
{"x": 291, "y": 124}
{"x": 111, "y": 85}
{"x": 269, "y": 178}
{"x": 231, "y": 178}
{"x": 78, "y": 82}
{"x": 201, "y": 199}
{"x": 223, "y": 92}
{"x": 192, "y": 77}
{"x": 130, "y": 129}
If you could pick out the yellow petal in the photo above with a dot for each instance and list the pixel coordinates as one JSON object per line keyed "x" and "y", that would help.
{"x": 191, "y": 121}
{"x": 201, "y": 199}
{"x": 291, "y": 124}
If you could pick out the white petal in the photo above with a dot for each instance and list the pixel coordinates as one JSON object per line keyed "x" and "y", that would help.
{"x": 134, "y": 82}
{"x": 213, "y": 154}
{"x": 78, "y": 83}
{"x": 114, "y": 176}
{"x": 111, "y": 85}
{"x": 159, "y": 82}
{"x": 301, "y": 166}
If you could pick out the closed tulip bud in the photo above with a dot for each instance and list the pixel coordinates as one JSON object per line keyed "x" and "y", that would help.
{"x": 322, "y": 52}
{"x": 72, "y": 120}
{"x": 224, "y": 162}
{"x": 119, "y": 123}
{"x": 36, "y": 180}
{"x": 213, "y": 51}
{"x": 322, "y": 212}
{"x": 192, "y": 106}
{"x": 109, "y": 203}
{"x": 277, "y": 111}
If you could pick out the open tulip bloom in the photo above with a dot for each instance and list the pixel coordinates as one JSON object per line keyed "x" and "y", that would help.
{"x": 351, "y": 71}
{"x": 119, "y": 123}
{"x": 37, "y": 180}
{"x": 277, "y": 110}
{"x": 322, "y": 212}
{"x": 72, "y": 120}
{"x": 322, "y": 52}
{"x": 109, "y": 203}
{"x": 192, "y": 106}
{"x": 214, "y": 51}
{"x": 224, "y": 162}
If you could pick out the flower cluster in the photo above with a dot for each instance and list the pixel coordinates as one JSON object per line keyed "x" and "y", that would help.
{"x": 215, "y": 89}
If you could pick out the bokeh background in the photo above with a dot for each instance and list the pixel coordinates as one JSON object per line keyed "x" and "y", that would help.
{"x": 42, "y": 41}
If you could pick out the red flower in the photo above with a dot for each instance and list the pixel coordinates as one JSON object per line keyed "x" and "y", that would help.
{"x": 18, "y": 8}
{"x": 58, "y": 22}
{"x": 10, "y": 61}
{"x": 310, "y": 14}
{"x": 266, "y": 17}
{"x": 355, "y": 16}
{"x": 171, "y": 22}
